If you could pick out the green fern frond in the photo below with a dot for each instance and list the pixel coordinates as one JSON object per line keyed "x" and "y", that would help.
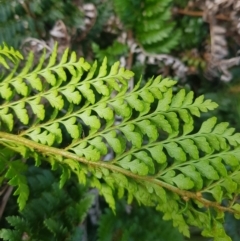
{"x": 14, "y": 171}
{"x": 156, "y": 38}
{"x": 135, "y": 224}
{"x": 51, "y": 213}
{"x": 114, "y": 52}
{"x": 9, "y": 53}
{"x": 19, "y": 20}
{"x": 151, "y": 25}
{"x": 80, "y": 113}
{"x": 10, "y": 235}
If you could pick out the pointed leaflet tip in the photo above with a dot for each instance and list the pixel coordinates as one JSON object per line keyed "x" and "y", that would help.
{"x": 103, "y": 68}
{"x": 208, "y": 125}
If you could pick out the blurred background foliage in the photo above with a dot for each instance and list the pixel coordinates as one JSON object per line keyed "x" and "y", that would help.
{"x": 195, "y": 42}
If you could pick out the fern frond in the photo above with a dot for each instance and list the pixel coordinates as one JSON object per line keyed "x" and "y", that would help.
{"x": 14, "y": 171}
{"x": 151, "y": 25}
{"x": 9, "y": 53}
{"x": 51, "y": 212}
{"x": 20, "y": 20}
{"x": 10, "y": 235}
{"x": 157, "y": 157}
{"x": 136, "y": 224}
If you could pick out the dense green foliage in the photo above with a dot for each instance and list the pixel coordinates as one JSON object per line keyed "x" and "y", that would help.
{"x": 150, "y": 141}
{"x": 23, "y": 19}
{"x": 55, "y": 213}
{"x": 157, "y": 158}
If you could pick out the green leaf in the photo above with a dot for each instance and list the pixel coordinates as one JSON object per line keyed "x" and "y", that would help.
{"x": 189, "y": 147}
{"x": 35, "y": 82}
{"x": 7, "y": 234}
{"x": 184, "y": 115}
{"x": 104, "y": 111}
{"x": 134, "y": 166}
{"x": 230, "y": 160}
{"x": 194, "y": 110}
{"x": 99, "y": 144}
{"x": 91, "y": 71}
{"x": 126, "y": 74}
{"x": 49, "y": 77}
{"x": 3, "y": 62}
{"x": 147, "y": 96}
{"x": 22, "y": 192}
{"x": 161, "y": 122}
{"x": 220, "y": 128}
{"x": 20, "y": 86}
{"x": 53, "y": 56}
{"x": 72, "y": 95}
{"x": 108, "y": 195}
{"x": 121, "y": 108}
{"x": 112, "y": 82}
{"x": 64, "y": 57}
{"x": 72, "y": 127}
{"x": 16, "y": 177}
{"x": 21, "y": 112}
{"x": 178, "y": 99}
{"x": 43, "y": 137}
{"x": 134, "y": 102}
{"x": 208, "y": 105}
{"x": 237, "y": 208}
{"x": 168, "y": 176}
{"x": 217, "y": 193}
{"x": 175, "y": 151}
{"x": 208, "y": 125}
{"x": 76, "y": 168}
{"x": 101, "y": 88}
{"x": 87, "y": 92}
{"x": 89, "y": 152}
{"x": 160, "y": 192}
{"x": 61, "y": 73}
{"x": 183, "y": 182}
{"x": 188, "y": 99}
{"x": 217, "y": 164}
{"x": 114, "y": 68}
{"x": 73, "y": 72}
{"x": 28, "y": 65}
{"x": 143, "y": 156}
{"x": 113, "y": 141}
{"x": 103, "y": 69}
{"x": 56, "y": 131}
{"x": 5, "y": 91}
{"x": 163, "y": 104}
{"x": 203, "y": 144}
{"x": 37, "y": 108}
{"x": 148, "y": 129}
{"x": 73, "y": 57}
{"x": 64, "y": 176}
{"x": 188, "y": 126}
{"x": 131, "y": 135}
{"x": 6, "y": 118}
{"x": 206, "y": 170}
{"x": 191, "y": 172}
{"x": 173, "y": 120}
{"x": 55, "y": 99}
{"x": 51, "y": 224}
{"x": 229, "y": 185}
{"x": 91, "y": 121}
{"x": 157, "y": 154}
{"x": 199, "y": 100}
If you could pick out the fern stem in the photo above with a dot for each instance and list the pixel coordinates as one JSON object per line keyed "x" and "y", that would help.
{"x": 198, "y": 14}
{"x": 6, "y": 137}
